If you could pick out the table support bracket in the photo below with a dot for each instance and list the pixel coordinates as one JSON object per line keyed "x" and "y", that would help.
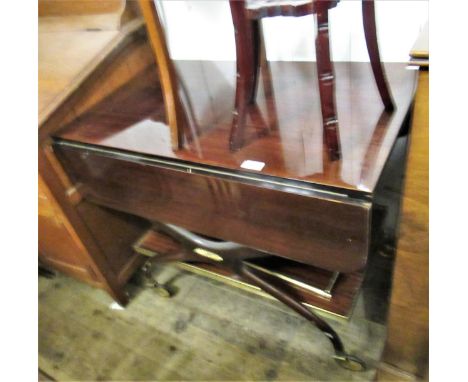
{"x": 230, "y": 255}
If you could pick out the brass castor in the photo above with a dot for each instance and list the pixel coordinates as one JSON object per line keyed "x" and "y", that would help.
{"x": 350, "y": 362}
{"x": 162, "y": 291}
{"x": 150, "y": 282}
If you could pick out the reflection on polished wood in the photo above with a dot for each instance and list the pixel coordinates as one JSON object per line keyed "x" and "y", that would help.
{"x": 132, "y": 119}
{"x": 317, "y": 228}
{"x": 303, "y": 221}
{"x": 246, "y": 17}
{"x": 57, "y": 81}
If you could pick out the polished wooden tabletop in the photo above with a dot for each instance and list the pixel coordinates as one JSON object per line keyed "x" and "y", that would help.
{"x": 284, "y": 128}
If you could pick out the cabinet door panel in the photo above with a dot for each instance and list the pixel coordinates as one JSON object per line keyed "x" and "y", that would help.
{"x": 58, "y": 247}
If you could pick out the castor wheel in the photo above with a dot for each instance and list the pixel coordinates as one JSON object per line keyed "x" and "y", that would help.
{"x": 350, "y": 362}
{"x": 150, "y": 282}
{"x": 162, "y": 291}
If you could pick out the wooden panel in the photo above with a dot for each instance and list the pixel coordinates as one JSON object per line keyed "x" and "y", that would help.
{"x": 132, "y": 119}
{"x": 85, "y": 241}
{"x": 92, "y": 253}
{"x": 77, "y": 50}
{"x": 79, "y": 7}
{"x": 57, "y": 246}
{"x": 120, "y": 67}
{"x": 67, "y": 60}
{"x": 46, "y": 204}
{"x": 343, "y": 294}
{"x": 106, "y": 260}
{"x": 408, "y": 338}
{"x": 321, "y": 229}
{"x": 114, "y": 232}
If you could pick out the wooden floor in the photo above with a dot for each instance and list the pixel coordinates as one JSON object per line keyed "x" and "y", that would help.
{"x": 207, "y": 331}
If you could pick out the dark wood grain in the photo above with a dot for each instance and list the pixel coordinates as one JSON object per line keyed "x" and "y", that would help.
{"x": 330, "y": 231}
{"x": 90, "y": 256}
{"x": 246, "y": 34}
{"x": 343, "y": 295}
{"x": 271, "y": 8}
{"x": 133, "y": 119}
{"x": 299, "y": 225}
{"x": 114, "y": 232}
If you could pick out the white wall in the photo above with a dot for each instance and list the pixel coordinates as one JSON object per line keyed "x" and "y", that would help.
{"x": 202, "y": 30}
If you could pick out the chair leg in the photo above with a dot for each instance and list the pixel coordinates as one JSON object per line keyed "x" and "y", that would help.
{"x": 370, "y": 31}
{"x": 246, "y": 47}
{"x": 326, "y": 79}
{"x": 258, "y": 49}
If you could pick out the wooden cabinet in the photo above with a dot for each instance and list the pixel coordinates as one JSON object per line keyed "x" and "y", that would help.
{"x": 406, "y": 354}
{"x": 73, "y": 234}
{"x": 78, "y": 68}
{"x": 59, "y": 246}
{"x": 407, "y": 348}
